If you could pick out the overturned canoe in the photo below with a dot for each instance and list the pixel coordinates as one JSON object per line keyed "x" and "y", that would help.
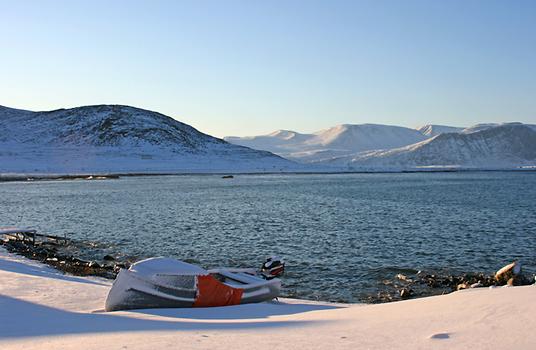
{"x": 170, "y": 283}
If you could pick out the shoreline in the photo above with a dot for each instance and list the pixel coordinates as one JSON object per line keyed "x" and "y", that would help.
{"x": 43, "y": 309}
{"x": 23, "y": 177}
{"x": 400, "y": 287}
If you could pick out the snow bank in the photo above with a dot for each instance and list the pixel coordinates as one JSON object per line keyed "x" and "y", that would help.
{"x": 44, "y": 309}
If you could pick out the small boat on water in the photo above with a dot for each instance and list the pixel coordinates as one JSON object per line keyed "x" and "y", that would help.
{"x": 170, "y": 283}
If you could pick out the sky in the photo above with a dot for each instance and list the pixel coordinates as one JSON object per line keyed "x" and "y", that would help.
{"x": 251, "y": 67}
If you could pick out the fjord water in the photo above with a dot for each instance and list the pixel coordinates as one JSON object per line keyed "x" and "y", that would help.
{"x": 341, "y": 235}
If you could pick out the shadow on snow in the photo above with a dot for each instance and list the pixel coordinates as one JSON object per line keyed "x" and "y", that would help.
{"x": 21, "y": 319}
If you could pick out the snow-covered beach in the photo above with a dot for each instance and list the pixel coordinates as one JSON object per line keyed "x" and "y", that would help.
{"x": 41, "y": 308}
{"x": 267, "y": 175}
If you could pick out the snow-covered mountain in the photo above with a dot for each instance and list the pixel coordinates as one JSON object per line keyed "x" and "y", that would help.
{"x": 478, "y": 127}
{"x": 337, "y": 141}
{"x": 365, "y": 137}
{"x": 380, "y": 147}
{"x": 484, "y": 126}
{"x": 279, "y": 142}
{"x": 503, "y": 146}
{"x": 123, "y": 139}
{"x": 431, "y": 130}
{"x": 115, "y": 138}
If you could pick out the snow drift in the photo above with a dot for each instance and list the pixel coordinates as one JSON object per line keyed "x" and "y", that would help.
{"x": 44, "y": 309}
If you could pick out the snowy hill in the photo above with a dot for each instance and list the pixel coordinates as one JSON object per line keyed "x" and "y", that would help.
{"x": 503, "y": 146}
{"x": 123, "y": 139}
{"x": 484, "y": 126}
{"x": 382, "y": 147}
{"x": 431, "y": 130}
{"x": 366, "y": 137}
{"x": 340, "y": 140}
{"x": 114, "y": 138}
{"x": 479, "y": 127}
{"x": 280, "y": 141}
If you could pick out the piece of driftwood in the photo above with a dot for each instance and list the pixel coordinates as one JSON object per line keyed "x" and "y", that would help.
{"x": 30, "y": 236}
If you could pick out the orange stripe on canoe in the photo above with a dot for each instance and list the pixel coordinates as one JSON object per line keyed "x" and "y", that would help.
{"x": 211, "y": 292}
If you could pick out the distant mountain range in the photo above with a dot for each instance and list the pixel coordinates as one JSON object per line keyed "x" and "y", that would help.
{"x": 119, "y": 139}
{"x": 372, "y": 147}
{"x": 123, "y": 139}
{"x": 499, "y": 147}
{"x": 338, "y": 141}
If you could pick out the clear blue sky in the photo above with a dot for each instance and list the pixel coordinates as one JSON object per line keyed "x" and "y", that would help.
{"x": 251, "y": 67}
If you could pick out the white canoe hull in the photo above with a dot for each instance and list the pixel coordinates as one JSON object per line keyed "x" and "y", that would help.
{"x": 137, "y": 289}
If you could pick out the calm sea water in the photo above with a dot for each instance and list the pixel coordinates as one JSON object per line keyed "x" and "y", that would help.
{"x": 340, "y": 234}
